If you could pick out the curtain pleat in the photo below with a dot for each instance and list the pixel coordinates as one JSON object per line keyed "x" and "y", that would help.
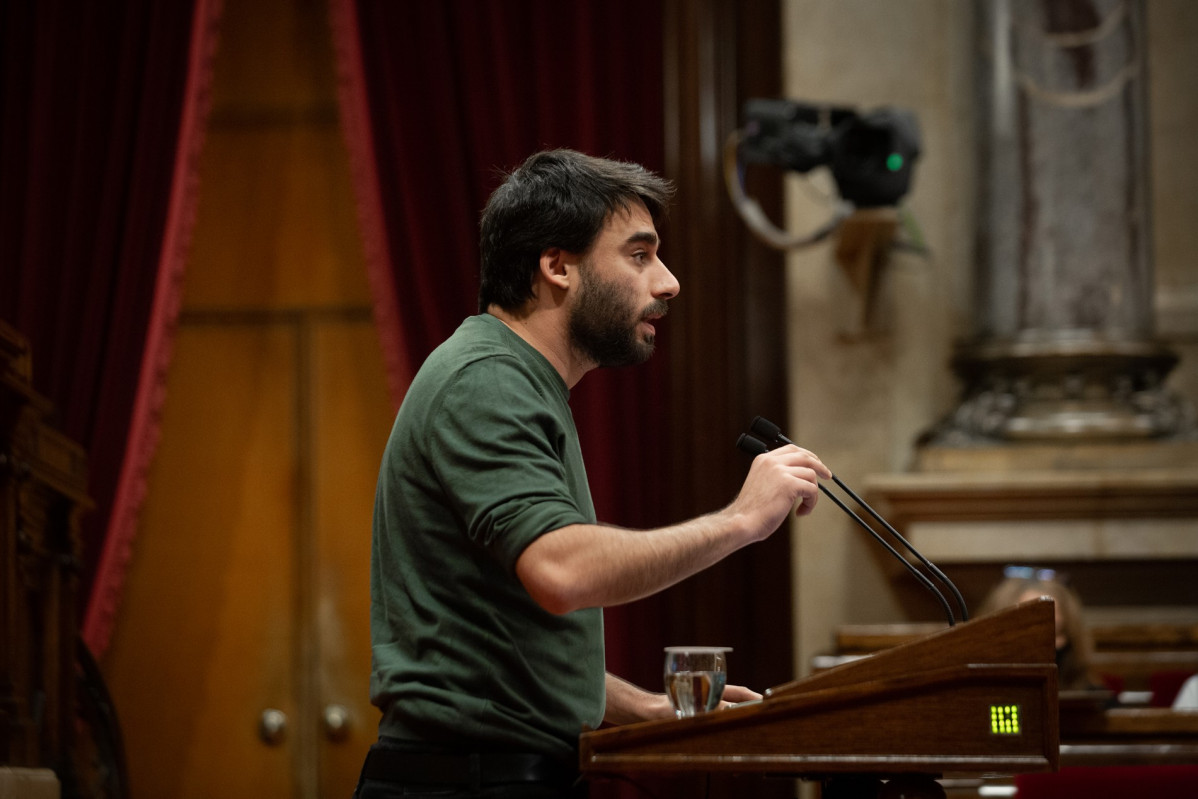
{"x": 145, "y": 422}
{"x": 92, "y": 98}
{"x": 364, "y": 169}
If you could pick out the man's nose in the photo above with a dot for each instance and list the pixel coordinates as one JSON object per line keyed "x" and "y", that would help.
{"x": 667, "y": 285}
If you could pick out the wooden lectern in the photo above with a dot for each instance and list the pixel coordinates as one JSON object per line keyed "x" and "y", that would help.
{"x": 977, "y": 698}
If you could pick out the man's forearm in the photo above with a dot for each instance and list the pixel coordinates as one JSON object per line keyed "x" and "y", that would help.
{"x": 626, "y": 703}
{"x": 583, "y": 566}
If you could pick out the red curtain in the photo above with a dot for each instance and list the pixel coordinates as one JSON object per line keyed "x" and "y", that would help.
{"x": 436, "y": 98}
{"x": 98, "y": 122}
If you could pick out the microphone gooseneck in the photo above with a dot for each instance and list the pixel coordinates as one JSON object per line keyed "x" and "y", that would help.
{"x": 764, "y": 436}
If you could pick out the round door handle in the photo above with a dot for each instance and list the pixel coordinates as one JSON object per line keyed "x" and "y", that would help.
{"x": 336, "y": 722}
{"x": 272, "y": 726}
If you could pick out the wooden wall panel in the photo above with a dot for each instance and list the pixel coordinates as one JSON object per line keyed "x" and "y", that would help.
{"x": 728, "y": 360}
{"x": 280, "y": 230}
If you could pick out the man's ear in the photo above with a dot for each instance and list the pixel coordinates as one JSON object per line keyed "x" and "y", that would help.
{"x": 557, "y": 267}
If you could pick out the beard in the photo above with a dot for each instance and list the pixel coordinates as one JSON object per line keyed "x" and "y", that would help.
{"x": 602, "y": 324}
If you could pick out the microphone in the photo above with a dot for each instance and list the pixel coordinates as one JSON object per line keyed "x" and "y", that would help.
{"x": 764, "y": 436}
{"x": 751, "y": 445}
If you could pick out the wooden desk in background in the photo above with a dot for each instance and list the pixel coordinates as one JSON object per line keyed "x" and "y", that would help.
{"x": 1093, "y": 735}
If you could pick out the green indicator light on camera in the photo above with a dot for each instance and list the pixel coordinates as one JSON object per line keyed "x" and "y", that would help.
{"x": 894, "y": 162}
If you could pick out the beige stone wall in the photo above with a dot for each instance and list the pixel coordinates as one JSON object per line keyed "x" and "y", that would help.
{"x": 861, "y": 393}
{"x": 1173, "y": 117}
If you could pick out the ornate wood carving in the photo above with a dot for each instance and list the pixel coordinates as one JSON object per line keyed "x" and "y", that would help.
{"x": 43, "y": 493}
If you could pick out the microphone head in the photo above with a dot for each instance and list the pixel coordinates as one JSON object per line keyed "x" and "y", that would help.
{"x": 766, "y": 429}
{"x": 753, "y": 446}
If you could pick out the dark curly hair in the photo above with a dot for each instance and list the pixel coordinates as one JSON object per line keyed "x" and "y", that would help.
{"x": 556, "y": 198}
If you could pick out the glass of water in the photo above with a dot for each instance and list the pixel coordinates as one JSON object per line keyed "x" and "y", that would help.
{"x": 695, "y": 677}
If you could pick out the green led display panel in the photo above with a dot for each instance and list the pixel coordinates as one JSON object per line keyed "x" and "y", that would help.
{"x": 1004, "y": 719}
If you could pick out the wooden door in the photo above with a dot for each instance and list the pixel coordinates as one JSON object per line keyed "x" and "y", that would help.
{"x": 352, "y": 419}
{"x": 207, "y": 628}
{"x": 247, "y": 597}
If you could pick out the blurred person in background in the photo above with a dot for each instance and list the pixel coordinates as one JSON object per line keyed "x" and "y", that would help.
{"x": 1074, "y": 645}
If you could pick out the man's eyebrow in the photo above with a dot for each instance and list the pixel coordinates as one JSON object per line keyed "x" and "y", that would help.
{"x": 643, "y": 237}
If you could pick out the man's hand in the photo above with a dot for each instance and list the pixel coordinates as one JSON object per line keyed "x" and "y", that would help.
{"x": 626, "y": 703}
{"x": 781, "y": 479}
{"x": 735, "y": 694}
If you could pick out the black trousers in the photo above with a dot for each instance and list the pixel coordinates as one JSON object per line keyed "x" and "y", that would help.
{"x": 392, "y": 771}
{"x": 374, "y": 789}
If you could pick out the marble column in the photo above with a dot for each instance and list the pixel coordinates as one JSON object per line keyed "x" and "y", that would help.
{"x": 1063, "y": 346}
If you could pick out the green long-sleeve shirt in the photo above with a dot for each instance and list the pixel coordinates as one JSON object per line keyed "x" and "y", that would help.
{"x": 483, "y": 458}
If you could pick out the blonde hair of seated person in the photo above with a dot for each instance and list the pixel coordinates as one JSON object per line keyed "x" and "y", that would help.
{"x": 1073, "y": 642}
